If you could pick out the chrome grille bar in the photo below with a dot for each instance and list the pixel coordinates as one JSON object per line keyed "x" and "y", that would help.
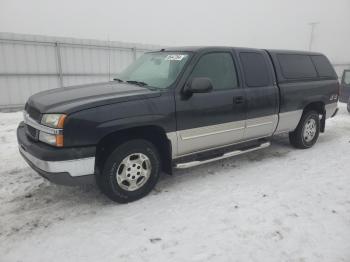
{"x": 49, "y": 130}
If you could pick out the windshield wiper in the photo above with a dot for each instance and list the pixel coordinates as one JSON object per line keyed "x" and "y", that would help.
{"x": 142, "y": 84}
{"x": 139, "y": 83}
{"x": 118, "y": 79}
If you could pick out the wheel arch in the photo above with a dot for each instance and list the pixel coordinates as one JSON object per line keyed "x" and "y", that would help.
{"x": 152, "y": 133}
{"x": 319, "y": 107}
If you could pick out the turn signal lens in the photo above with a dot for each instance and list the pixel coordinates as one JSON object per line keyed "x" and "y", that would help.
{"x": 59, "y": 140}
{"x": 61, "y": 122}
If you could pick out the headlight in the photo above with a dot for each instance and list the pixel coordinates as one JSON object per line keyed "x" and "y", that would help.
{"x": 53, "y": 120}
{"x": 54, "y": 140}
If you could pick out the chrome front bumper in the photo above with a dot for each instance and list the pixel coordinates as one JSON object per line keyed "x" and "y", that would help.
{"x": 75, "y": 167}
{"x": 67, "y": 166}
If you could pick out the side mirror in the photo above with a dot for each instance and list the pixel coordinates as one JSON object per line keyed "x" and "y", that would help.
{"x": 198, "y": 85}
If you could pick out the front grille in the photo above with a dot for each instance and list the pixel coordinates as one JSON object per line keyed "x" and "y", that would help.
{"x": 33, "y": 112}
{"x": 32, "y": 132}
{"x": 35, "y": 115}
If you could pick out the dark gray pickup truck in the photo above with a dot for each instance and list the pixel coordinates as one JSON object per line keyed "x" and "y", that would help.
{"x": 176, "y": 108}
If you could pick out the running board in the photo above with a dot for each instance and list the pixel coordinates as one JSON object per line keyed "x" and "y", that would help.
{"x": 226, "y": 155}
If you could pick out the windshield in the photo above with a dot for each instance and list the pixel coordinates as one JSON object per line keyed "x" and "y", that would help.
{"x": 156, "y": 69}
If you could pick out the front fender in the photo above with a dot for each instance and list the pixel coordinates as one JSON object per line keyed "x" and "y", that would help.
{"x": 87, "y": 127}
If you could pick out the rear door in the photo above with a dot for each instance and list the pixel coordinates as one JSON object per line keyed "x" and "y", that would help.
{"x": 345, "y": 87}
{"x": 261, "y": 93}
{"x": 214, "y": 119}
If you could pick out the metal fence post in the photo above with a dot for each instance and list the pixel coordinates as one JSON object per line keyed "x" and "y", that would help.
{"x": 59, "y": 63}
{"x": 134, "y": 53}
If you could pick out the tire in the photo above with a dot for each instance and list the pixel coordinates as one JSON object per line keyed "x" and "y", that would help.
{"x": 131, "y": 171}
{"x": 348, "y": 106}
{"x": 302, "y": 140}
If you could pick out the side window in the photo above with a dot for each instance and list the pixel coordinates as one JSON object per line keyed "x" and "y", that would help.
{"x": 297, "y": 66}
{"x": 346, "y": 78}
{"x": 219, "y": 68}
{"x": 323, "y": 67}
{"x": 255, "y": 70}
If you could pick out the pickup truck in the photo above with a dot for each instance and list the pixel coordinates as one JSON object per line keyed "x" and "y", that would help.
{"x": 176, "y": 108}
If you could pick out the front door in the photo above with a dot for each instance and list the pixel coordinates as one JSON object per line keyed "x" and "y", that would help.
{"x": 213, "y": 119}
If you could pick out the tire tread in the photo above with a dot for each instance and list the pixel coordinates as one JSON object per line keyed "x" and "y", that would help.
{"x": 106, "y": 181}
{"x": 295, "y": 137}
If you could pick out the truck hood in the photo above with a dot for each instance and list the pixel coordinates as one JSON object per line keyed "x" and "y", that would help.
{"x": 71, "y": 99}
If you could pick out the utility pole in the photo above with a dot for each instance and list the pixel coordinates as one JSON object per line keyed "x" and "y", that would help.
{"x": 313, "y": 25}
{"x": 109, "y": 58}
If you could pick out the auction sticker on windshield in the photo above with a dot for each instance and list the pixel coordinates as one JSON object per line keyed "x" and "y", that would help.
{"x": 175, "y": 57}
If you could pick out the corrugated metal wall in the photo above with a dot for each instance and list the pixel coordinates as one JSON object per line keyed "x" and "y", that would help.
{"x": 30, "y": 64}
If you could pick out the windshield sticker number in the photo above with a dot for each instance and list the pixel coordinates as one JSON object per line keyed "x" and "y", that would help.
{"x": 175, "y": 57}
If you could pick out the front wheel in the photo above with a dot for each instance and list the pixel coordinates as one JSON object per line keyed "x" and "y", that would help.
{"x": 131, "y": 171}
{"x": 307, "y": 131}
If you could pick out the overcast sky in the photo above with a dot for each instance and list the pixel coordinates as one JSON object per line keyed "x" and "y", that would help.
{"x": 250, "y": 23}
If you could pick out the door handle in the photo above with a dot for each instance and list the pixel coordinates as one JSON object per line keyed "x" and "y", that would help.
{"x": 238, "y": 100}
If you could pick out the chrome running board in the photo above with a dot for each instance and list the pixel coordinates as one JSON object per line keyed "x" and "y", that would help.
{"x": 226, "y": 155}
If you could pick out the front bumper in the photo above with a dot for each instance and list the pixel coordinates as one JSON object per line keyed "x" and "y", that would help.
{"x": 66, "y": 166}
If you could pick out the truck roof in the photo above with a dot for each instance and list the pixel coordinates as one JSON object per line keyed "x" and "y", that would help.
{"x": 203, "y": 48}
{"x": 198, "y": 48}
{"x": 281, "y": 51}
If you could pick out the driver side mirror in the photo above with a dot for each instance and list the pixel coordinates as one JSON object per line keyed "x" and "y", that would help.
{"x": 198, "y": 85}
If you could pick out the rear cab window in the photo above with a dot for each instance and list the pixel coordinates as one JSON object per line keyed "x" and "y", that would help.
{"x": 302, "y": 66}
{"x": 296, "y": 66}
{"x": 256, "y": 72}
{"x": 323, "y": 66}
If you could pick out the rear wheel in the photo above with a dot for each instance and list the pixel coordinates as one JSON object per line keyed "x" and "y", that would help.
{"x": 348, "y": 107}
{"x": 131, "y": 171}
{"x": 307, "y": 131}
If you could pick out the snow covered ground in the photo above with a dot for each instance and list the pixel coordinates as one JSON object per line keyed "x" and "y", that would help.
{"x": 278, "y": 204}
